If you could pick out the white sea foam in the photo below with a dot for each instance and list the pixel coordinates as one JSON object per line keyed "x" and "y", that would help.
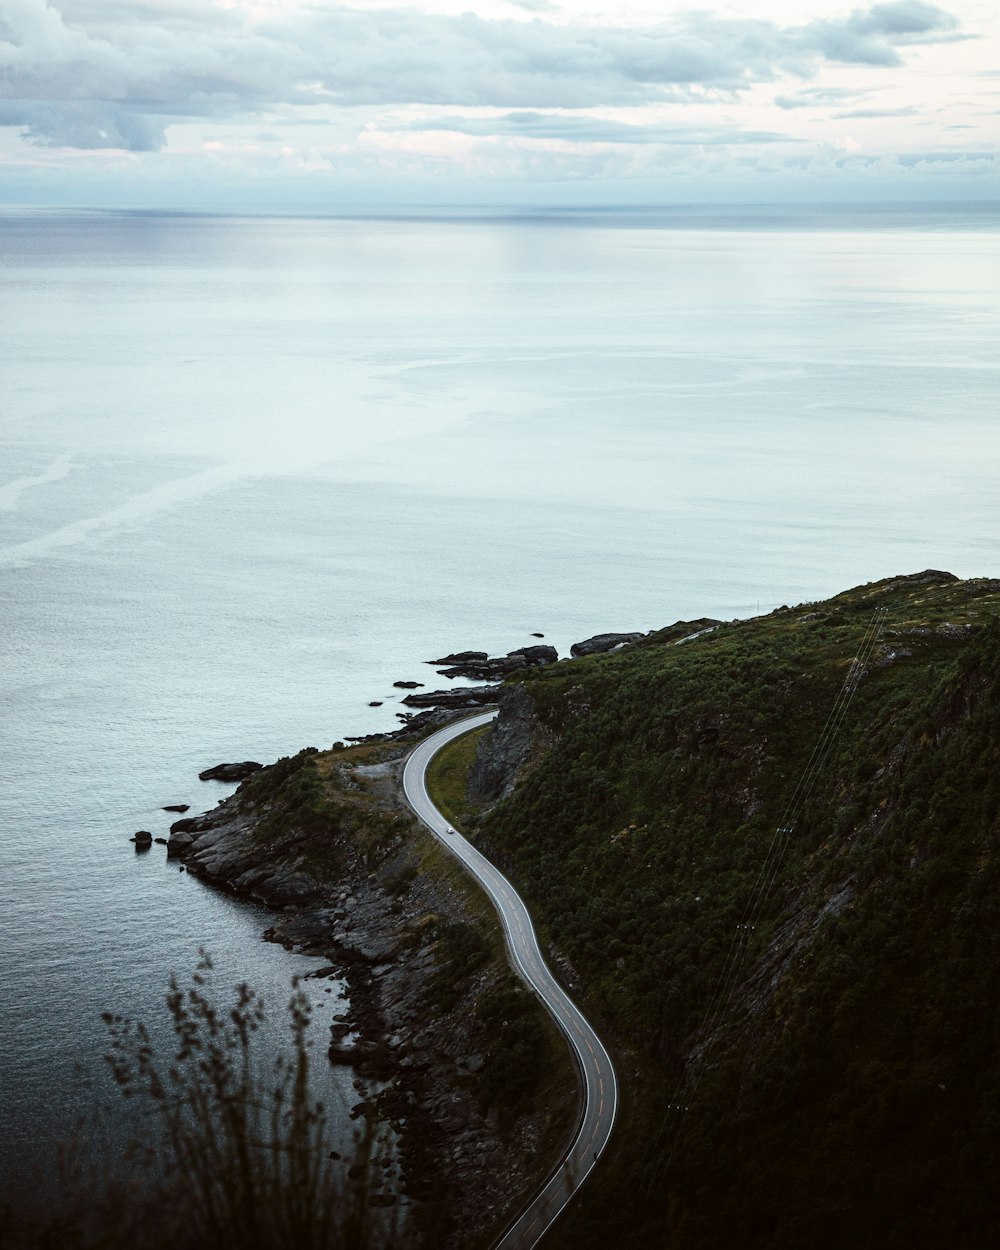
{"x": 138, "y": 510}
{"x": 11, "y": 492}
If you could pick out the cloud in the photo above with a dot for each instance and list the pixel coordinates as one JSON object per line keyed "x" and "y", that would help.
{"x": 872, "y": 36}
{"x": 908, "y": 111}
{"x": 80, "y": 72}
{"x": 909, "y": 21}
{"x": 85, "y": 124}
{"x": 821, "y": 97}
{"x": 581, "y": 128}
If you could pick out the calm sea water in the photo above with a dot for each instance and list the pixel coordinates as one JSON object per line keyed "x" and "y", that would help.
{"x": 253, "y": 471}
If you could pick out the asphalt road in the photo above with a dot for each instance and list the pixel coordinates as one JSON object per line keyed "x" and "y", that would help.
{"x": 598, "y": 1080}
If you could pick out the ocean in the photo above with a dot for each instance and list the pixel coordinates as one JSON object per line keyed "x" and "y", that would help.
{"x": 252, "y": 471}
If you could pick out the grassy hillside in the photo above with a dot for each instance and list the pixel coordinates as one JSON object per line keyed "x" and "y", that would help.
{"x": 845, "y": 1091}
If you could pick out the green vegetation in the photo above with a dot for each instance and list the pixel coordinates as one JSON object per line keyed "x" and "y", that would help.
{"x": 851, "y": 1093}
{"x": 446, "y": 776}
{"x": 316, "y": 805}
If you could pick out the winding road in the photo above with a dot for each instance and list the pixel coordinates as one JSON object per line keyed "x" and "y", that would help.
{"x": 598, "y": 1080}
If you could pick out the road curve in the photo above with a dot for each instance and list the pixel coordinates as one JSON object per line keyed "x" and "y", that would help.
{"x": 599, "y": 1083}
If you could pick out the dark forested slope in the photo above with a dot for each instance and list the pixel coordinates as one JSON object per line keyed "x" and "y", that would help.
{"x": 838, "y": 1058}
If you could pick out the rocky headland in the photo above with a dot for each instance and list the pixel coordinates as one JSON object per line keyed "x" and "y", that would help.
{"x": 324, "y": 839}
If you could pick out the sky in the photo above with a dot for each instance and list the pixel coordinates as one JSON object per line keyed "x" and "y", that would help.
{"x": 279, "y": 104}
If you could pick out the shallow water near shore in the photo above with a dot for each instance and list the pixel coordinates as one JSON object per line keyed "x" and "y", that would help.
{"x": 254, "y": 471}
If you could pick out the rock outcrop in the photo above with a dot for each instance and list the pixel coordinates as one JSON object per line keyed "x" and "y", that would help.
{"x": 460, "y": 698}
{"x": 219, "y": 847}
{"x": 461, "y": 657}
{"x": 190, "y": 824}
{"x": 601, "y": 643}
{"x": 537, "y": 655}
{"x": 414, "y": 723}
{"x": 482, "y": 668}
{"x": 511, "y": 742}
{"x": 230, "y": 772}
{"x": 487, "y": 670}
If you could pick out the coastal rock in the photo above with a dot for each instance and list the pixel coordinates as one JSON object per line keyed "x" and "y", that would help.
{"x": 191, "y": 824}
{"x": 177, "y": 807}
{"x": 142, "y": 838}
{"x": 927, "y": 577}
{"x": 346, "y": 1053}
{"x": 487, "y": 670}
{"x": 220, "y": 849}
{"x": 217, "y": 846}
{"x": 461, "y": 657}
{"x": 414, "y": 723}
{"x": 281, "y": 888}
{"x": 179, "y": 843}
{"x": 230, "y": 772}
{"x": 601, "y": 643}
{"x": 499, "y": 667}
{"x": 471, "y": 696}
{"x": 537, "y": 655}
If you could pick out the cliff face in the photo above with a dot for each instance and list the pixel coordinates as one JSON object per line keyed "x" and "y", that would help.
{"x": 435, "y": 1016}
{"x": 775, "y": 871}
{"x": 511, "y": 744}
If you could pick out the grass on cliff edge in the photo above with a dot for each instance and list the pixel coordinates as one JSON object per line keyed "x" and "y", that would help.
{"x": 448, "y": 776}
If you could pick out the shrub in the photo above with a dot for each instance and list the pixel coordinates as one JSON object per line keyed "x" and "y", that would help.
{"x": 225, "y": 1158}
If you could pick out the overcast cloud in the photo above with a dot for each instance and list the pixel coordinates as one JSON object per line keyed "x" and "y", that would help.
{"x": 112, "y": 75}
{"x": 130, "y": 75}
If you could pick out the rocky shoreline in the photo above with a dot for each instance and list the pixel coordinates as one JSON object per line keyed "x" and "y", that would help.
{"x": 378, "y": 921}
